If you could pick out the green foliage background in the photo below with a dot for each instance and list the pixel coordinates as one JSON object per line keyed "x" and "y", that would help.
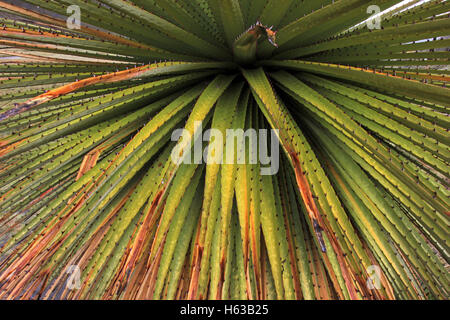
{"x": 86, "y": 177}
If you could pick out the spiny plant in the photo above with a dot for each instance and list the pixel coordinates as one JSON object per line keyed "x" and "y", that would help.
{"x": 93, "y": 207}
